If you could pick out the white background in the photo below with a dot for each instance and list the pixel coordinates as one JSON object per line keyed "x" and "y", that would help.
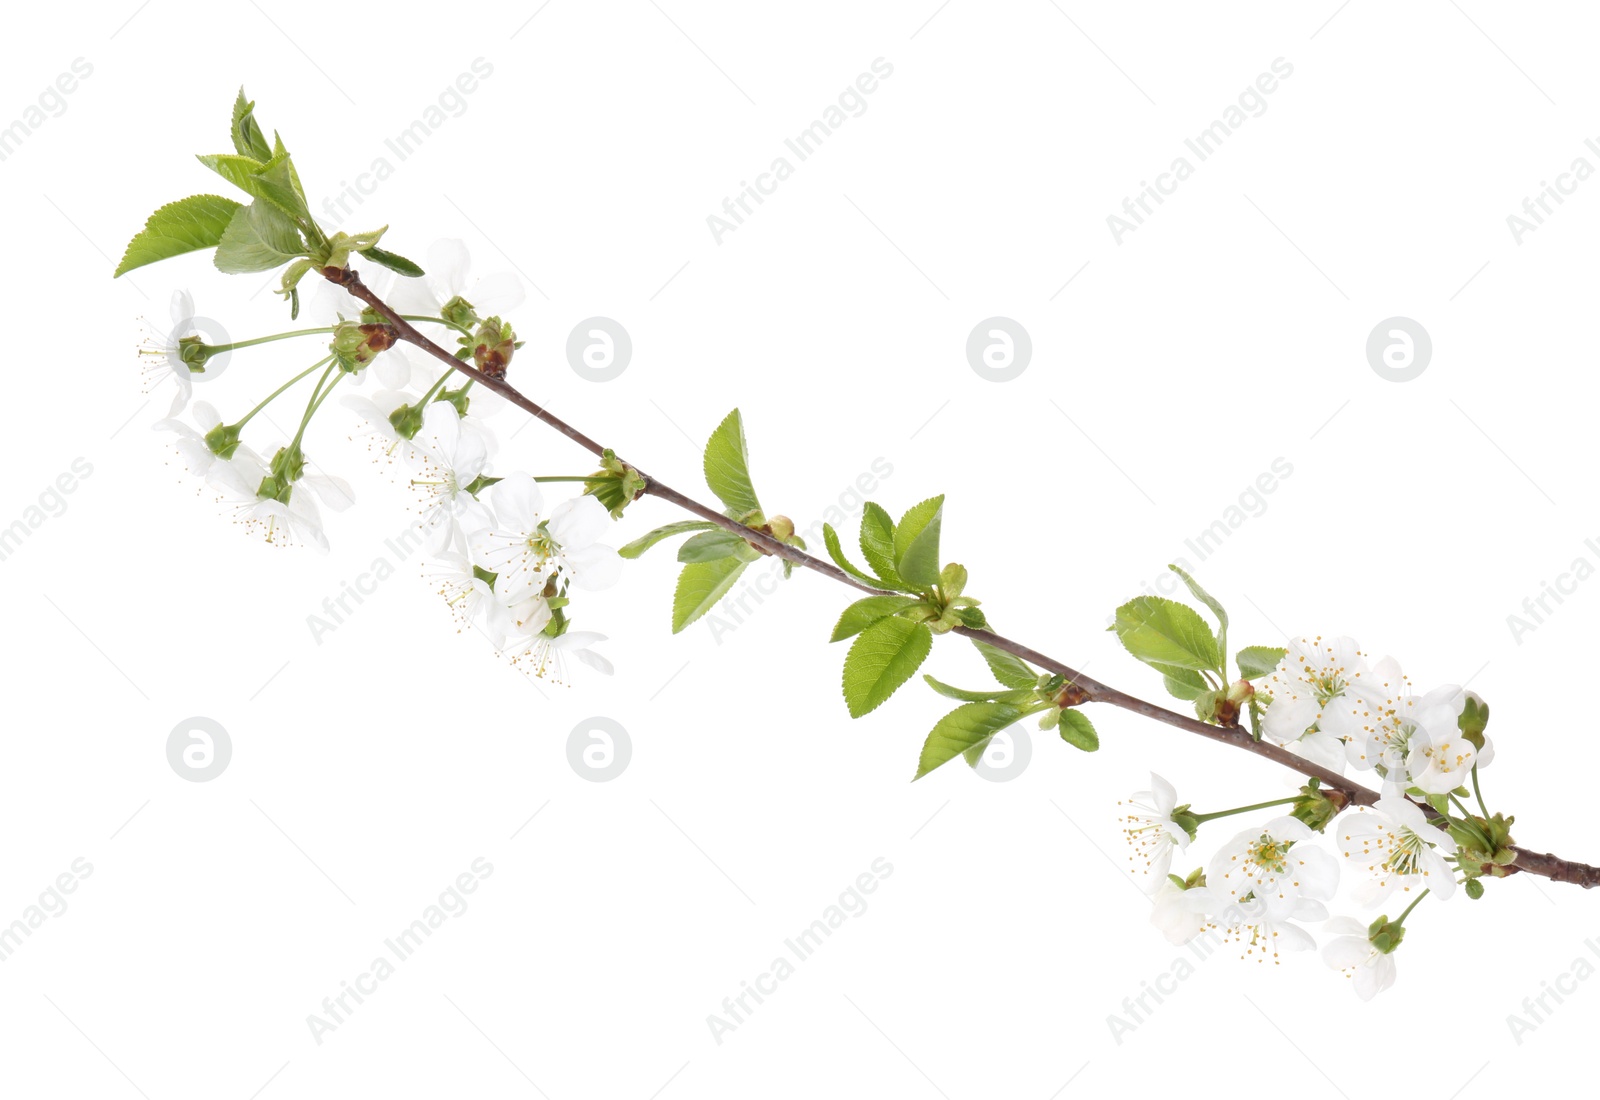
{"x": 370, "y": 770}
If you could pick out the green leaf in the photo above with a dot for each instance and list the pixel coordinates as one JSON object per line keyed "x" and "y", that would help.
{"x": 1008, "y": 670}
{"x": 1078, "y": 731}
{"x": 863, "y": 613}
{"x": 972, "y": 617}
{"x": 885, "y": 656}
{"x": 1203, "y": 596}
{"x": 259, "y": 238}
{"x": 1182, "y": 683}
{"x": 238, "y": 169}
{"x": 916, "y": 543}
{"x": 877, "y": 544}
{"x": 279, "y": 184}
{"x": 178, "y": 227}
{"x": 727, "y": 466}
{"x": 1165, "y": 632}
{"x": 700, "y": 586}
{"x": 644, "y": 542}
{"x": 1257, "y": 661}
{"x": 964, "y": 730}
{"x": 272, "y": 181}
{"x": 393, "y": 262}
{"x": 1216, "y": 609}
{"x": 714, "y": 545}
{"x": 247, "y": 136}
{"x": 986, "y": 695}
{"x": 830, "y": 539}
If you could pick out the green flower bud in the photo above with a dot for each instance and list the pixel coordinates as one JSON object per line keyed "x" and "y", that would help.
{"x": 459, "y": 312}
{"x": 1186, "y": 821}
{"x": 356, "y": 344}
{"x": 1385, "y": 936}
{"x": 287, "y": 467}
{"x": 1316, "y": 807}
{"x": 492, "y": 346}
{"x": 407, "y": 421}
{"x": 223, "y": 440}
{"x": 1486, "y": 846}
{"x": 1222, "y": 706}
{"x": 617, "y": 484}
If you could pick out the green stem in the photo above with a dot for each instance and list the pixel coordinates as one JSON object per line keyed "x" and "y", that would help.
{"x": 1464, "y": 811}
{"x": 1477, "y": 793}
{"x": 268, "y": 339}
{"x": 275, "y": 393}
{"x": 434, "y": 391}
{"x": 585, "y": 480}
{"x": 1199, "y": 818}
{"x": 318, "y": 396}
{"x": 1413, "y": 905}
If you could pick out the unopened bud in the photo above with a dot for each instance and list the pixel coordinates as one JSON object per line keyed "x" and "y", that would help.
{"x": 1317, "y": 805}
{"x": 355, "y": 344}
{"x": 492, "y": 347}
{"x": 223, "y": 440}
{"x": 459, "y": 312}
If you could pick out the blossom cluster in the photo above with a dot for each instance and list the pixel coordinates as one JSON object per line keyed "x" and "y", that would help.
{"x": 1328, "y": 703}
{"x": 504, "y": 559}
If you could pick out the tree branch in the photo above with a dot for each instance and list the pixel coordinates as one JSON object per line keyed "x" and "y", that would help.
{"x": 1544, "y": 864}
